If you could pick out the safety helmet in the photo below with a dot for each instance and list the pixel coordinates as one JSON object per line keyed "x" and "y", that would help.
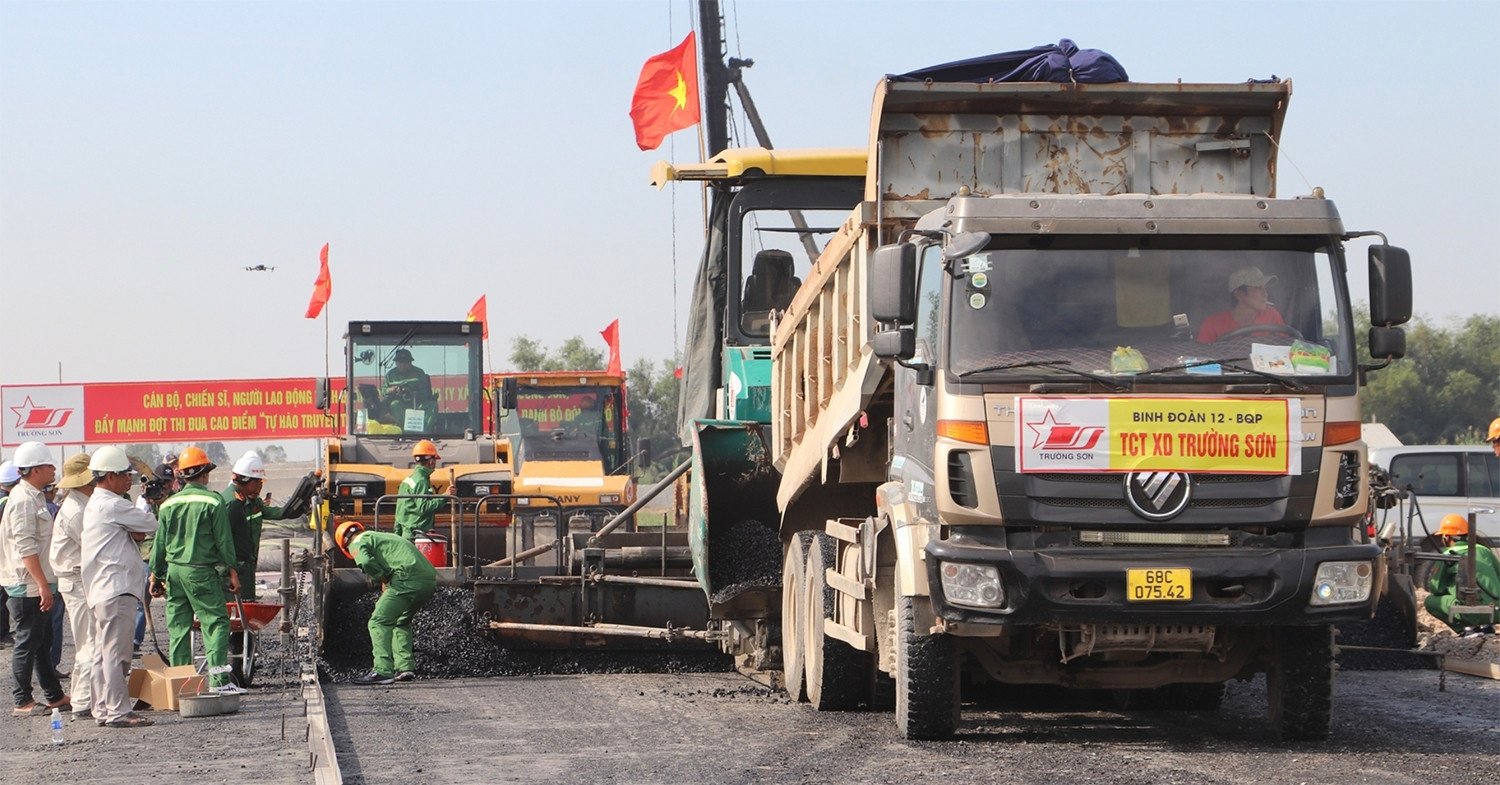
{"x": 250, "y": 466}
{"x": 109, "y": 459}
{"x": 194, "y": 461}
{"x": 1494, "y": 430}
{"x": 1453, "y": 525}
{"x": 345, "y": 533}
{"x": 424, "y": 448}
{"x": 9, "y": 474}
{"x": 33, "y": 454}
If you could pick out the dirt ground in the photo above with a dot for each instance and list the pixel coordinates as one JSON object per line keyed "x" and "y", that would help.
{"x": 1389, "y": 727}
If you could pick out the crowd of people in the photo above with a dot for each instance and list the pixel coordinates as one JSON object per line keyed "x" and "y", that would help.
{"x": 75, "y": 550}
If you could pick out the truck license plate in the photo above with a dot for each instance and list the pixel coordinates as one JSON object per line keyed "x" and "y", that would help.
{"x": 1159, "y": 584}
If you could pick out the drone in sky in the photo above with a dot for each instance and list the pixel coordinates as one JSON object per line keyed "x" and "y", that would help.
{"x": 259, "y": 268}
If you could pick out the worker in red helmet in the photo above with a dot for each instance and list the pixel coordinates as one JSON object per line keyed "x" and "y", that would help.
{"x": 414, "y": 514}
{"x": 1443, "y": 585}
{"x": 408, "y": 581}
{"x": 192, "y": 555}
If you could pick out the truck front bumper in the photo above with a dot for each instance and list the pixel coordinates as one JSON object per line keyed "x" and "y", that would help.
{"x": 1086, "y": 585}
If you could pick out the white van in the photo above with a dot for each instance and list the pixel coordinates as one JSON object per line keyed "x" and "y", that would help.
{"x": 1447, "y": 478}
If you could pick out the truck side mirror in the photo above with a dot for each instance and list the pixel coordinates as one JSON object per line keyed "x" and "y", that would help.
{"x": 1387, "y": 343}
{"x": 646, "y": 449}
{"x": 1390, "y": 287}
{"x": 893, "y": 283}
{"x": 508, "y": 394}
{"x": 898, "y": 344}
{"x": 320, "y": 393}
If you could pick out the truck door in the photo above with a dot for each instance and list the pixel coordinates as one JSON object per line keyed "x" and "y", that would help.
{"x": 916, "y": 404}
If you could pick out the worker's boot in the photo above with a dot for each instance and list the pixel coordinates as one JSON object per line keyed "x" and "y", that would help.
{"x": 372, "y": 678}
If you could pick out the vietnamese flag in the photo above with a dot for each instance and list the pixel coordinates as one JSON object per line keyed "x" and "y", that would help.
{"x": 666, "y": 95}
{"x": 479, "y": 312}
{"x": 612, "y": 337}
{"x": 322, "y": 288}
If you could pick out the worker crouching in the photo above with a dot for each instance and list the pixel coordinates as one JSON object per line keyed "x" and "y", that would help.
{"x": 193, "y": 553}
{"x": 408, "y": 582}
{"x": 1453, "y": 530}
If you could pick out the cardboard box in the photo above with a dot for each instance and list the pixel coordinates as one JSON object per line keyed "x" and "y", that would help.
{"x": 159, "y": 684}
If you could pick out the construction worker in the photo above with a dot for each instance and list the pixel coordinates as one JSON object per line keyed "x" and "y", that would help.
{"x": 1494, "y": 437}
{"x": 115, "y": 578}
{"x": 407, "y": 580}
{"x": 418, "y": 515}
{"x": 247, "y": 511}
{"x": 26, "y": 572}
{"x": 76, "y": 486}
{"x": 193, "y": 553}
{"x": 1453, "y": 530}
{"x": 408, "y": 387}
{"x": 9, "y": 476}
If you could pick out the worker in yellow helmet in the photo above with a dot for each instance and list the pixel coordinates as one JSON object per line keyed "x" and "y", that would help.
{"x": 407, "y": 580}
{"x": 413, "y": 514}
{"x": 1443, "y": 585}
{"x": 190, "y": 559}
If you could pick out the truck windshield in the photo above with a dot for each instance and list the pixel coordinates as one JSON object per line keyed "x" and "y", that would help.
{"x": 567, "y": 424}
{"x": 424, "y": 385}
{"x": 1159, "y": 308}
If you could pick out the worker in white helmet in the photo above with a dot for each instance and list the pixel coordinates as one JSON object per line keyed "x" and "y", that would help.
{"x": 247, "y": 512}
{"x": 26, "y": 572}
{"x": 116, "y": 580}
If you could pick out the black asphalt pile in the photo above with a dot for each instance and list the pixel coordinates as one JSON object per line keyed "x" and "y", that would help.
{"x": 1387, "y": 630}
{"x": 448, "y": 644}
{"x": 743, "y": 556}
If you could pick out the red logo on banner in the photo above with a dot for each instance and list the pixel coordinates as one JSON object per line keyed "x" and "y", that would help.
{"x": 1054, "y": 435}
{"x": 29, "y": 415}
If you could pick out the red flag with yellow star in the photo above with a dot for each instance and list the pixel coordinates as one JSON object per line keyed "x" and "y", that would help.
{"x": 666, "y": 95}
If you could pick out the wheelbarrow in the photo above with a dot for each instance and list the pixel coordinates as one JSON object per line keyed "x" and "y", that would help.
{"x": 246, "y": 620}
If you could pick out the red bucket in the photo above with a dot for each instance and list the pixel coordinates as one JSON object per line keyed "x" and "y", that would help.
{"x": 435, "y": 548}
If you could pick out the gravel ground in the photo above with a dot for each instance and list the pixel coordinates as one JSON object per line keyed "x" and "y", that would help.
{"x": 1389, "y": 727}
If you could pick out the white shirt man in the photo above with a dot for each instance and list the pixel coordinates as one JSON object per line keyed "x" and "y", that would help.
{"x": 67, "y": 561}
{"x": 116, "y": 581}
{"x": 26, "y": 572}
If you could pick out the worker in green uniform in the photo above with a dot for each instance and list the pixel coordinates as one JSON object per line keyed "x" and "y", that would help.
{"x": 190, "y": 559}
{"x": 408, "y": 387}
{"x": 1443, "y": 585}
{"x": 415, "y": 515}
{"x": 247, "y": 512}
{"x": 408, "y": 581}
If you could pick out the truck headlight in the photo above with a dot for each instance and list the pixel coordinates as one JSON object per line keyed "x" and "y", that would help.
{"x": 977, "y": 585}
{"x": 1341, "y": 582}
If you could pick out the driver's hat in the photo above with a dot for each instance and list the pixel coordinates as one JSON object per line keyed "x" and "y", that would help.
{"x": 1249, "y": 276}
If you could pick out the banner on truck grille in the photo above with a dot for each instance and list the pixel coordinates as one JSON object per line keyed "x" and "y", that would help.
{"x": 1230, "y": 435}
{"x": 183, "y": 411}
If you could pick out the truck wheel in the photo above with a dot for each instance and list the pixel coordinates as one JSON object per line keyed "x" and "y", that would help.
{"x": 835, "y": 670}
{"x": 1300, "y": 683}
{"x": 793, "y": 608}
{"x": 882, "y": 689}
{"x": 927, "y": 695}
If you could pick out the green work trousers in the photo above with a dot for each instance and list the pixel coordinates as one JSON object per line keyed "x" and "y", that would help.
{"x": 1440, "y": 605}
{"x": 247, "y": 581}
{"x": 390, "y": 625}
{"x": 194, "y": 590}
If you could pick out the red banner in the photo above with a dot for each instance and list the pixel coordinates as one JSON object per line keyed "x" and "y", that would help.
{"x": 190, "y": 411}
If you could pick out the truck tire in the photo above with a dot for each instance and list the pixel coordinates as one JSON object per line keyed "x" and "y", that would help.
{"x": 927, "y": 694}
{"x": 835, "y": 670}
{"x": 1300, "y": 683}
{"x": 793, "y": 608}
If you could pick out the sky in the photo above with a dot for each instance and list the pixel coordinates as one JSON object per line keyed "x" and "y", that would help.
{"x": 151, "y": 151}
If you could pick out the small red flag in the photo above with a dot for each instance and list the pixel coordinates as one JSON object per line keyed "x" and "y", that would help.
{"x": 666, "y": 95}
{"x": 322, "y": 288}
{"x": 479, "y": 312}
{"x": 612, "y": 337}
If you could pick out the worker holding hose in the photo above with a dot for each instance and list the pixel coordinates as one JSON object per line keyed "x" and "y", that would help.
{"x": 408, "y": 581}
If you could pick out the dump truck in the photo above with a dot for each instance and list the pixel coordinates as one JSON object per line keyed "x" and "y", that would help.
{"x": 568, "y": 441}
{"x": 1012, "y": 439}
{"x": 405, "y": 381}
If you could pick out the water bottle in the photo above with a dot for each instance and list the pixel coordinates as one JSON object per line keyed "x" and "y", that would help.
{"x": 57, "y": 738}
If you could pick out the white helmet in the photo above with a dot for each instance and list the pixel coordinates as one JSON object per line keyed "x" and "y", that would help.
{"x": 250, "y": 465}
{"x": 33, "y": 454}
{"x": 9, "y": 474}
{"x": 109, "y": 459}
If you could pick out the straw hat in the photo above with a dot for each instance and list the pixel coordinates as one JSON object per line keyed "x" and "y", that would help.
{"x": 76, "y": 472}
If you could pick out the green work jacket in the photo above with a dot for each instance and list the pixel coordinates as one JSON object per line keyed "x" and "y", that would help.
{"x": 194, "y": 531}
{"x": 1445, "y": 580}
{"x": 245, "y": 519}
{"x": 417, "y": 515}
{"x": 386, "y": 557}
